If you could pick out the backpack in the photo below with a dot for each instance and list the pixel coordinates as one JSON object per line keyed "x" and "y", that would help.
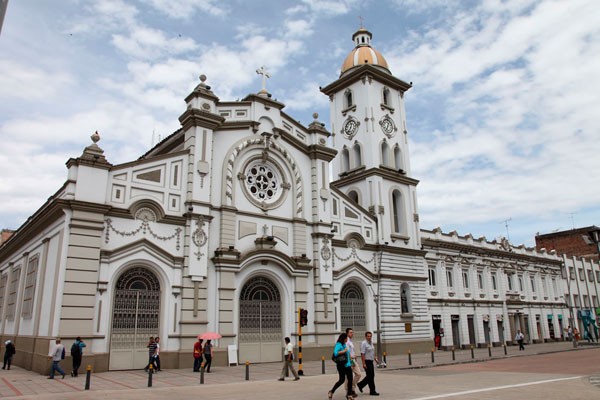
{"x": 75, "y": 350}
{"x": 62, "y": 356}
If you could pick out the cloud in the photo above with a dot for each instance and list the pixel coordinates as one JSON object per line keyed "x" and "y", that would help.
{"x": 18, "y": 80}
{"x": 186, "y": 9}
{"x": 148, "y": 43}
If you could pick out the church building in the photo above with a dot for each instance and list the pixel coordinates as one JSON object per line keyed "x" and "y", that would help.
{"x": 236, "y": 221}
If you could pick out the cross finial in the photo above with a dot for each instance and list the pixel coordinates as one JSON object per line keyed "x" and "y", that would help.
{"x": 361, "y": 21}
{"x": 265, "y": 74}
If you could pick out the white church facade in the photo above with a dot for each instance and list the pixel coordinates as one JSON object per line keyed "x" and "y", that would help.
{"x": 239, "y": 218}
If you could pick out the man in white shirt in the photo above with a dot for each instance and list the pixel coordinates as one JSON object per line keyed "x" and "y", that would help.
{"x": 368, "y": 359}
{"x": 288, "y": 360}
{"x": 356, "y": 374}
{"x": 56, "y": 355}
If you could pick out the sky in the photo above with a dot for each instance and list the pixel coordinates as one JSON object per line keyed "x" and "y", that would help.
{"x": 501, "y": 116}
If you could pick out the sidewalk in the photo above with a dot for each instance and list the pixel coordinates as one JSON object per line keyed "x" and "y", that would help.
{"x": 18, "y": 382}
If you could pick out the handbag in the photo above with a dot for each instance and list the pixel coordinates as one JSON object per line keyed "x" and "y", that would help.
{"x": 340, "y": 358}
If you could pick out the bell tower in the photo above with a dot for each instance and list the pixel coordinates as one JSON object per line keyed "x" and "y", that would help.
{"x": 369, "y": 132}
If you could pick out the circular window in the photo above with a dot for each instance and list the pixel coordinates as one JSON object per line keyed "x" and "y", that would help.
{"x": 263, "y": 182}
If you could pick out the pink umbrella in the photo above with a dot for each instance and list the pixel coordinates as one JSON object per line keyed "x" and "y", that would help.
{"x": 210, "y": 336}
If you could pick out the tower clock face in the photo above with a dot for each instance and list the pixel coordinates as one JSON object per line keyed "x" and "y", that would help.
{"x": 387, "y": 126}
{"x": 350, "y": 127}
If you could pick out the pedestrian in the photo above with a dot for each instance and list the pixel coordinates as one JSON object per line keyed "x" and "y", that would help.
{"x": 519, "y": 337}
{"x": 570, "y": 333}
{"x": 208, "y": 355}
{"x": 343, "y": 365}
{"x": 288, "y": 360}
{"x": 157, "y": 354}
{"x": 9, "y": 352}
{"x": 356, "y": 374}
{"x": 57, "y": 353}
{"x": 76, "y": 355}
{"x": 151, "y": 351}
{"x": 198, "y": 355}
{"x": 367, "y": 353}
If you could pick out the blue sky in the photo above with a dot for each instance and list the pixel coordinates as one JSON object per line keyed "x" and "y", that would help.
{"x": 501, "y": 117}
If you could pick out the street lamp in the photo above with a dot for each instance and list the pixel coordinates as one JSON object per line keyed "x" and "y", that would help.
{"x": 378, "y": 320}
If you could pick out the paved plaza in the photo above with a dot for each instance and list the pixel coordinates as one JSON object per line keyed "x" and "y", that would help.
{"x": 564, "y": 370}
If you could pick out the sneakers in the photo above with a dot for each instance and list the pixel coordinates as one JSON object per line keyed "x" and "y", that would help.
{"x": 297, "y": 378}
{"x": 281, "y": 379}
{"x": 63, "y": 376}
{"x": 50, "y": 377}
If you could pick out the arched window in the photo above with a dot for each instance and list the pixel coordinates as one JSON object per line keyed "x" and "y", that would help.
{"x": 405, "y": 301}
{"x": 397, "y": 209}
{"x": 348, "y": 98}
{"x": 385, "y": 154}
{"x": 353, "y": 194}
{"x": 353, "y": 310}
{"x": 357, "y": 155}
{"x": 398, "y": 158}
{"x": 345, "y": 159}
{"x": 386, "y": 96}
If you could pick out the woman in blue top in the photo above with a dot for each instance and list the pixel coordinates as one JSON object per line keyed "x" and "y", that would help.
{"x": 344, "y": 367}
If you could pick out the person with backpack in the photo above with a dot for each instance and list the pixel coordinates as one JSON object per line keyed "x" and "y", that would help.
{"x": 9, "y": 352}
{"x": 57, "y": 353}
{"x": 76, "y": 355}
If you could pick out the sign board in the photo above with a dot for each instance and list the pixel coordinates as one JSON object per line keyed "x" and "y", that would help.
{"x": 232, "y": 354}
{"x": 408, "y": 327}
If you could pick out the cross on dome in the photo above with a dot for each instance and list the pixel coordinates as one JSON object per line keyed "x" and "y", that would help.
{"x": 265, "y": 74}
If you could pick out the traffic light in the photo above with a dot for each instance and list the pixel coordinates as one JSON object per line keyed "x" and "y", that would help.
{"x": 303, "y": 317}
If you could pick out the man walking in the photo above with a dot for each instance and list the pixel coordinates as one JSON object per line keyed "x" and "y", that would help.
{"x": 367, "y": 353}
{"x": 519, "y": 337}
{"x": 354, "y": 365}
{"x": 9, "y": 352}
{"x": 56, "y": 355}
{"x": 76, "y": 355}
{"x": 288, "y": 360}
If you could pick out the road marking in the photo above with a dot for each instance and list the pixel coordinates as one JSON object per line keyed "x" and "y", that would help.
{"x": 441, "y": 396}
{"x": 12, "y": 387}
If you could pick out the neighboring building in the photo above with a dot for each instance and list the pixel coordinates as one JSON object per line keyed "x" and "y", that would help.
{"x": 5, "y": 234}
{"x": 583, "y": 293}
{"x": 230, "y": 224}
{"x": 482, "y": 292}
{"x": 580, "y": 242}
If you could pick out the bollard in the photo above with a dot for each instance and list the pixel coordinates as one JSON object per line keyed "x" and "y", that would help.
{"x": 409, "y": 358}
{"x": 323, "y": 365}
{"x": 490, "y": 350}
{"x": 432, "y": 356}
{"x": 385, "y": 359}
{"x": 150, "y": 370}
{"x": 505, "y": 353}
{"x": 472, "y": 352}
{"x": 453, "y": 354}
{"x": 88, "y": 375}
{"x": 202, "y": 372}
{"x": 247, "y": 370}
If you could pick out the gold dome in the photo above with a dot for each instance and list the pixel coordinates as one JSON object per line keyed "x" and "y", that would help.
{"x": 363, "y": 53}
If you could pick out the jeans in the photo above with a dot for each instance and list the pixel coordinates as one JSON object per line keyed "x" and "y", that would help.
{"x": 76, "y": 364}
{"x": 343, "y": 373}
{"x": 208, "y": 362}
{"x": 197, "y": 364}
{"x": 56, "y": 367}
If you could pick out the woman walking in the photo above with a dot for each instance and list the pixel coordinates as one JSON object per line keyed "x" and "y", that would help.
{"x": 344, "y": 366}
{"x": 208, "y": 355}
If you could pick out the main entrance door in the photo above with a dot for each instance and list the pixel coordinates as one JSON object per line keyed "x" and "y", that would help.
{"x": 352, "y": 303}
{"x": 136, "y": 313}
{"x": 260, "y": 322}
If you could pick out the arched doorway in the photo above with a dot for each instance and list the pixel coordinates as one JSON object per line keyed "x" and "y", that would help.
{"x": 260, "y": 337}
{"x": 136, "y": 317}
{"x": 352, "y": 303}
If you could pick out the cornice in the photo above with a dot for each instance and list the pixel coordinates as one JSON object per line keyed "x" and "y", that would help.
{"x": 361, "y": 72}
{"x": 142, "y": 161}
{"x": 360, "y": 175}
{"x": 267, "y": 101}
{"x": 194, "y": 117}
{"x": 486, "y": 253}
{"x": 319, "y": 152}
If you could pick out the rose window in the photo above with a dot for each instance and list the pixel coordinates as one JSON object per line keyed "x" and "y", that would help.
{"x": 262, "y": 182}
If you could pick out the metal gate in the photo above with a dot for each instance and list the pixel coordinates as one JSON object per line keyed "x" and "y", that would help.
{"x": 352, "y": 303}
{"x": 260, "y": 338}
{"x": 136, "y": 317}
